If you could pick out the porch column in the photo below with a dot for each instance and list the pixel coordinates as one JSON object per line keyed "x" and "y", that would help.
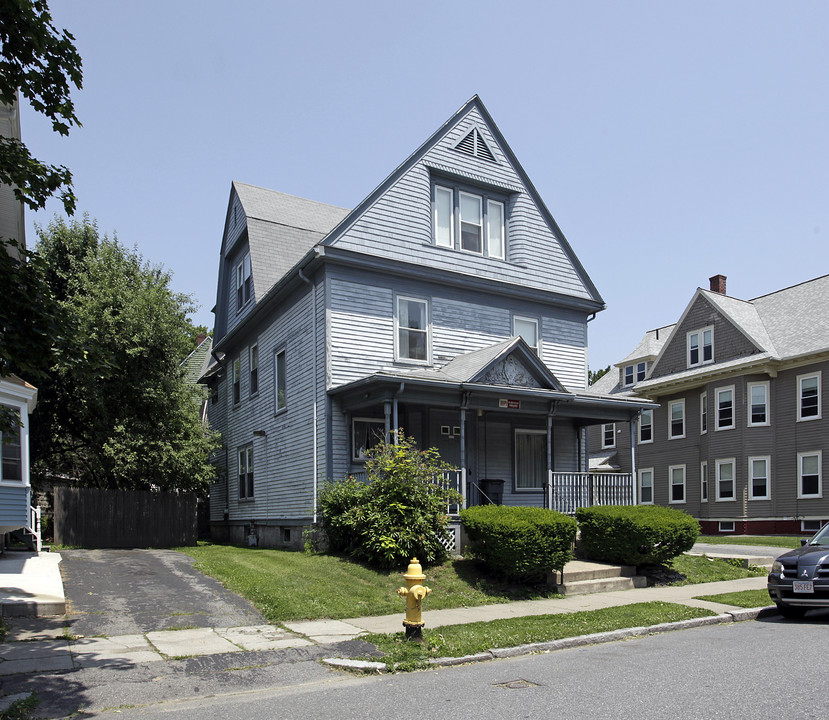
{"x": 634, "y": 480}
{"x": 464, "y": 403}
{"x": 387, "y": 413}
{"x": 550, "y": 460}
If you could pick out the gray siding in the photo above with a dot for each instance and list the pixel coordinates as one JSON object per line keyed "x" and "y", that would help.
{"x": 14, "y": 506}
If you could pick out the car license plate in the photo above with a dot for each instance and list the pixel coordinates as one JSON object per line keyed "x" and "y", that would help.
{"x": 803, "y": 586}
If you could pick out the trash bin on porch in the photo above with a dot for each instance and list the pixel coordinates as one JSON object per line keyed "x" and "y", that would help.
{"x": 492, "y": 491}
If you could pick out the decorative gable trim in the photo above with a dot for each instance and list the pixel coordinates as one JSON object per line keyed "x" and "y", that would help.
{"x": 480, "y": 180}
{"x": 517, "y": 366}
{"x": 510, "y": 371}
{"x": 474, "y": 144}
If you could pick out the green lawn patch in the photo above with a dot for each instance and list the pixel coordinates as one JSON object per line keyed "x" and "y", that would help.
{"x": 782, "y": 541}
{"x": 286, "y": 585}
{"x": 460, "y": 640}
{"x": 743, "y": 599}
{"x": 702, "y": 569}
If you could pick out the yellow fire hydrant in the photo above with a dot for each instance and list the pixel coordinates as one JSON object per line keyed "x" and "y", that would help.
{"x": 415, "y": 594}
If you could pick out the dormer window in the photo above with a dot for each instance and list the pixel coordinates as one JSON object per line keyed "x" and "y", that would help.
{"x": 243, "y": 282}
{"x": 700, "y": 347}
{"x": 470, "y": 220}
{"x": 634, "y": 373}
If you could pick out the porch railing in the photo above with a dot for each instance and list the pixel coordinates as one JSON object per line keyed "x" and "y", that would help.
{"x": 575, "y": 490}
{"x": 34, "y": 527}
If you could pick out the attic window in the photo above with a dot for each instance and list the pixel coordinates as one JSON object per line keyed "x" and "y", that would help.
{"x": 243, "y": 283}
{"x": 473, "y": 144}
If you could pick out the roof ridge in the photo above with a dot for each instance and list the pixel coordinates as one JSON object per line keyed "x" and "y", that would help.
{"x": 790, "y": 287}
{"x": 290, "y": 195}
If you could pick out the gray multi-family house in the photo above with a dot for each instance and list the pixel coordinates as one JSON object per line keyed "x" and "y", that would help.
{"x": 739, "y": 435}
{"x": 447, "y": 303}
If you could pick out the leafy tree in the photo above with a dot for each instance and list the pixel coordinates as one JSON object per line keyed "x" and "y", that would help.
{"x": 121, "y": 416}
{"x": 592, "y": 376}
{"x": 399, "y": 513}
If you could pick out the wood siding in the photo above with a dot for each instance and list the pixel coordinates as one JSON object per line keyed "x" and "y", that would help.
{"x": 14, "y": 506}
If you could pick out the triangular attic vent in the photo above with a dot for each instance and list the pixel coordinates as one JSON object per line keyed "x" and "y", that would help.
{"x": 473, "y": 144}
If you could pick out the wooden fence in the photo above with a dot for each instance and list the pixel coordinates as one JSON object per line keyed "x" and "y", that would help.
{"x": 91, "y": 518}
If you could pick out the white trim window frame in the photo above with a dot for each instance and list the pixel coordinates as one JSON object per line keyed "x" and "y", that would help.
{"x": 527, "y": 328}
{"x": 246, "y": 472}
{"x": 645, "y": 486}
{"x": 530, "y": 471}
{"x": 469, "y": 219}
{"x": 759, "y": 482}
{"x": 810, "y": 469}
{"x": 703, "y": 413}
{"x": 808, "y": 397}
{"x": 700, "y": 346}
{"x": 645, "y": 427}
{"x": 608, "y": 435}
{"x": 253, "y": 369}
{"x": 676, "y": 419}
{"x": 726, "y": 478}
{"x": 676, "y": 484}
{"x": 444, "y": 225}
{"x": 366, "y": 433}
{"x": 641, "y": 371}
{"x": 628, "y": 375}
{"x": 757, "y": 394}
{"x": 703, "y": 481}
{"x": 244, "y": 282}
{"x": 280, "y": 381}
{"x": 412, "y": 330}
{"x": 725, "y": 408}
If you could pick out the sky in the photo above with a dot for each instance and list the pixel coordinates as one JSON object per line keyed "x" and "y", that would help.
{"x": 671, "y": 141}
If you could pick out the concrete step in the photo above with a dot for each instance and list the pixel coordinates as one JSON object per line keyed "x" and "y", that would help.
{"x": 579, "y": 570}
{"x": 587, "y": 587}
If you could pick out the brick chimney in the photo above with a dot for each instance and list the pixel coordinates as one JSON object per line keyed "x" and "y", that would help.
{"x": 717, "y": 284}
{"x": 200, "y": 338}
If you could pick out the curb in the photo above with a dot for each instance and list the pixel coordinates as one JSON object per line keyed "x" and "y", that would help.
{"x": 740, "y": 615}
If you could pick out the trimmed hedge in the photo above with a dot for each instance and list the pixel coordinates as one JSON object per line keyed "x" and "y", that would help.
{"x": 635, "y": 534}
{"x": 520, "y": 543}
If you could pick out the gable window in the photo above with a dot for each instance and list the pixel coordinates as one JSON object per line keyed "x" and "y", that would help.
{"x": 471, "y": 221}
{"x": 366, "y": 433}
{"x": 254, "y": 369}
{"x": 808, "y": 397}
{"x": 677, "y": 476}
{"x": 725, "y": 408}
{"x": 628, "y": 376}
{"x": 237, "y": 381}
{"x": 703, "y": 413}
{"x": 412, "y": 329}
{"x": 526, "y": 328}
{"x": 758, "y": 478}
{"x": 725, "y": 480}
{"x": 634, "y": 373}
{"x": 530, "y": 459}
{"x": 641, "y": 369}
{"x": 700, "y": 347}
{"x": 609, "y": 435}
{"x": 703, "y": 479}
{"x": 758, "y": 398}
{"x": 676, "y": 420}
{"x": 809, "y": 482}
{"x": 646, "y": 426}
{"x": 11, "y": 469}
{"x": 646, "y": 486}
{"x": 280, "y": 395}
{"x": 243, "y": 282}
{"x": 246, "y": 473}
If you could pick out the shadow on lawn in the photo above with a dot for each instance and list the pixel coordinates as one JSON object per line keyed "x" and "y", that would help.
{"x": 475, "y": 573}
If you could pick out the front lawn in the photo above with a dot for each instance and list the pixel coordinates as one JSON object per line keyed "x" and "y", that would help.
{"x": 743, "y": 599}
{"x": 702, "y": 569}
{"x": 782, "y": 541}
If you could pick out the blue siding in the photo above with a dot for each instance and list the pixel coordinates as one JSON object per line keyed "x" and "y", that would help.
{"x": 14, "y": 506}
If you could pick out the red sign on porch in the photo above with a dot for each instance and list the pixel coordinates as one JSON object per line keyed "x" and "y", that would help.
{"x": 510, "y": 404}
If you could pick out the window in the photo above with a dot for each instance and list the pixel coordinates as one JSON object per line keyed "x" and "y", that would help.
{"x": 725, "y": 480}
{"x": 243, "y": 282}
{"x": 365, "y": 434}
{"x": 254, "y": 369}
{"x": 676, "y": 420}
{"x": 412, "y": 329}
{"x": 701, "y": 347}
{"x": 758, "y": 478}
{"x": 758, "y": 400}
{"x": 676, "y": 473}
{"x": 703, "y": 413}
{"x": 646, "y": 487}
{"x": 637, "y": 371}
{"x": 726, "y": 526}
{"x": 279, "y": 371}
{"x": 808, "y": 394}
{"x": 526, "y": 328}
{"x": 609, "y": 435}
{"x": 811, "y": 526}
{"x": 725, "y": 408}
{"x": 809, "y": 483}
{"x": 237, "y": 381}
{"x": 641, "y": 369}
{"x": 470, "y": 221}
{"x": 628, "y": 376}
{"x": 530, "y": 459}
{"x": 703, "y": 480}
{"x": 246, "y": 473}
{"x": 11, "y": 469}
{"x": 646, "y": 426}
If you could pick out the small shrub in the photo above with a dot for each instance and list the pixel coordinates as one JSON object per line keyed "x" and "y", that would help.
{"x": 398, "y": 514}
{"x": 635, "y": 535}
{"x": 520, "y": 543}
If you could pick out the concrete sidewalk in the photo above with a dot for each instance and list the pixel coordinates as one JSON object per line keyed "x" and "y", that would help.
{"x": 30, "y": 584}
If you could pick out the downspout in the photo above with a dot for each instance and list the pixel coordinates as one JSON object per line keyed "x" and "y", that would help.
{"x": 316, "y": 370}
{"x": 633, "y": 479}
{"x": 464, "y": 406}
{"x": 394, "y": 411}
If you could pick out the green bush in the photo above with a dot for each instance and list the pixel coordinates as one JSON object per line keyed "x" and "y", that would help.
{"x": 520, "y": 543}
{"x": 397, "y": 514}
{"x": 635, "y": 535}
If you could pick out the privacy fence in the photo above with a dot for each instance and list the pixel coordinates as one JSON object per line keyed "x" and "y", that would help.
{"x": 91, "y": 518}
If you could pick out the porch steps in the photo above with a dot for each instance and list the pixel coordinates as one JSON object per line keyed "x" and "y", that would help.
{"x": 583, "y": 578}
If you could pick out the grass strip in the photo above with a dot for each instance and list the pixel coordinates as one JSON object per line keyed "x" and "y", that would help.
{"x": 743, "y": 598}
{"x": 703, "y": 569}
{"x": 782, "y": 541}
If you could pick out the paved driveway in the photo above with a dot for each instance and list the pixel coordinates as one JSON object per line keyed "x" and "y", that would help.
{"x": 122, "y": 592}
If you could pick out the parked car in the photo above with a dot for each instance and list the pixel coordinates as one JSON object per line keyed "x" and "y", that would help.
{"x": 799, "y": 579}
